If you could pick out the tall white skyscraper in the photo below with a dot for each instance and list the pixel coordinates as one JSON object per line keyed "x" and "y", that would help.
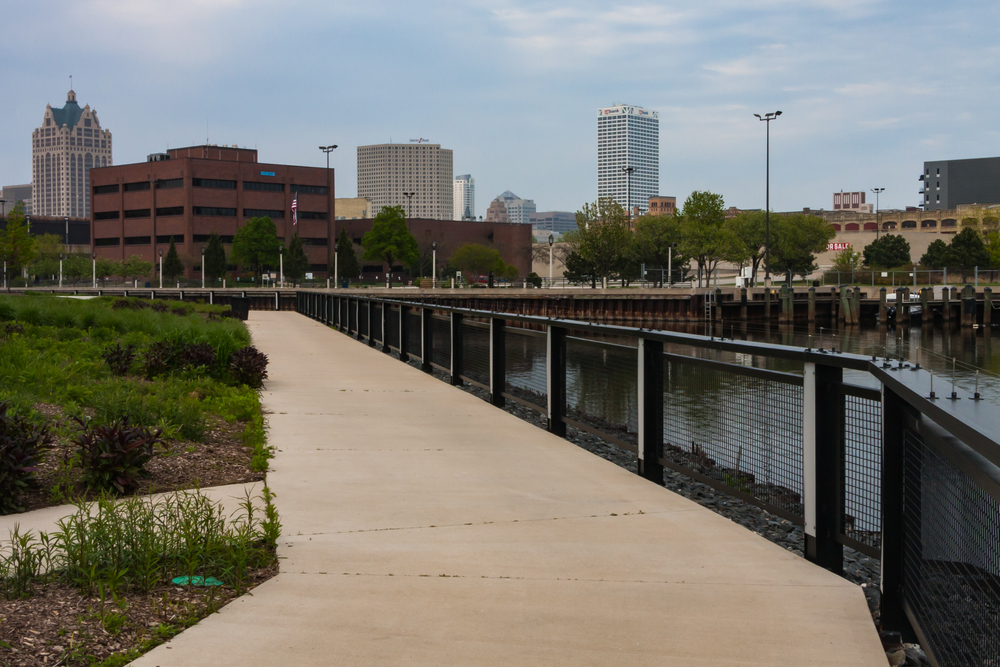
{"x": 64, "y": 149}
{"x": 386, "y": 171}
{"x": 628, "y": 136}
{"x": 463, "y": 192}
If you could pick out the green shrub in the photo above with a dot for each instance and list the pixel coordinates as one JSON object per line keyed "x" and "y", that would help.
{"x": 114, "y": 457}
{"x": 119, "y": 358}
{"x": 249, "y": 366}
{"x": 21, "y": 446}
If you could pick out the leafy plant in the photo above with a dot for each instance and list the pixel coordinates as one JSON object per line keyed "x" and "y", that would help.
{"x": 160, "y": 307}
{"x": 131, "y": 304}
{"x": 114, "y": 457}
{"x": 21, "y": 447}
{"x": 161, "y": 357}
{"x": 119, "y": 358}
{"x": 198, "y": 355}
{"x": 249, "y": 366}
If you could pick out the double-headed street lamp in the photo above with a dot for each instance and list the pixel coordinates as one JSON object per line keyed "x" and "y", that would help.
{"x": 328, "y": 149}
{"x": 878, "y": 216}
{"x": 409, "y": 202}
{"x": 767, "y": 118}
{"x": 628, "y": 180}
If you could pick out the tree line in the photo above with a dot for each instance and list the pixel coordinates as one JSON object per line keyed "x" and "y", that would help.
{"x": 694, "y": 241}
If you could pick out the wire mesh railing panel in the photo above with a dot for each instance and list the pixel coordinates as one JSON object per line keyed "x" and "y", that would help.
{"x": 863, "y": 470}
{"x": 951, "y": 557}
{"x": 441, "y": 341}
{"x": 602, "y": 385}
{"x": 739, "y": 429}
{"x": 376, "y": 321}
{"x": 476, "y": 351}
{"x": 413, "y": 342}
{"x": 363, "y": 307}
{"x": 392, "y": 327}
{"x": 525, "y": 368}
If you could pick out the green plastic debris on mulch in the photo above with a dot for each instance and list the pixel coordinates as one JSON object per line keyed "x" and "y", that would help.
{"x": 196, "y": 581}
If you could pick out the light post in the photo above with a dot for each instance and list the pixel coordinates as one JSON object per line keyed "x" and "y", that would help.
{"x": 203, "y": 267}
{"x": 281, "y": 264}
{"x": 336, "y": 258}
{"x": 3, "y": 208}
{"x": 161, "y": 268}
{"x": 60, "y": 269}
{"x": 628, "y": 179}
{"x": 670, "y": 265}
{"x": 409, "y": 202}
{"x": 328, "y": 150}
{"x": 93, "y": 266}
{"x": 767, "y": 118}
{"x": 434, "y": 264}
{"x": 878, "y": 216}
{"x": 67, "y": 230}
{"x": 552, "y": 240}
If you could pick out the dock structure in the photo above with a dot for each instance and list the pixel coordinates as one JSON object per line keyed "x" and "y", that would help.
{"x": 423, "y": 526}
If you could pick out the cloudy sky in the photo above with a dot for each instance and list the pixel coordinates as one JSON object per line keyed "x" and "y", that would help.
{"x": 869, "y": 89}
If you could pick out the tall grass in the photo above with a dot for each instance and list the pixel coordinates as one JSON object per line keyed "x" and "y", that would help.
{"x": 134, "y": 545}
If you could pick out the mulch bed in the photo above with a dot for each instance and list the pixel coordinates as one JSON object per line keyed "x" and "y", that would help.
{"x": 221, "y": 458}
{"x": 61, "y": 626}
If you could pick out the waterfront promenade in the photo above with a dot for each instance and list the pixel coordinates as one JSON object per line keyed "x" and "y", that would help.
{"x": 422, "y": 526}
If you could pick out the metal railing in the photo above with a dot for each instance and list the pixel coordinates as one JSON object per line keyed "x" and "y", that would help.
{"x": 853, "y": 449}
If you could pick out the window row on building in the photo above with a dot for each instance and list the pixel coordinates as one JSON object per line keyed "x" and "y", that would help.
{"x": 206, "y": 210}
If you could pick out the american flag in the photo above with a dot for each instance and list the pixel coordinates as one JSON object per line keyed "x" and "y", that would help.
{"x": 295, "y": 207}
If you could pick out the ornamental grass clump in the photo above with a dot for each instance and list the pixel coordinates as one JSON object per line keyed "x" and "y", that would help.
{"x": 114, "y": 457}
{"x": 22, "y": 444}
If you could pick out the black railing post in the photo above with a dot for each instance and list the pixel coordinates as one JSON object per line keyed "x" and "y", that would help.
{"x": 498, "y": 361}
{"x": 457, "y": 359}
{"x": 893, "y": 425}
{"x": 371, "y": 322}
{"x": 404, "y": 335}
{"x": 823, "y": 465}
{"x": 426, "y": 340}
{"x": 385, "y": 327}
{"x": 556, "y": 378}
{"x": 650, "y": 409}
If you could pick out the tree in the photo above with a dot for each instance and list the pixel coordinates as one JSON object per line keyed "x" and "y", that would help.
{"x": 76, "y": 267}
{"x": 654, "y": 243}
{"x": 748, "y": 230}
{"x": 580, "y": 270}
{"x": 214, "y": 263}
{"x": 967, "y": 251}
{"x": 847, "y": 260}
{"x": 347, "y": 259}
{"x": 296, "y": 261}
{"x": 136, "y": 267}
{"x": 255, "y": 245}
{"x": 993, "y": 244}
{"x": 45, "y": 261}
{"x": 475, "y": 259}
{"x": 706, "y": 240}
{"x": 601, "y": 239}
{"x": 935, "y": 256}
{"x": 887, "y": 252}
{"x": 107, "y": 267}
{"x": 795, "y": 240}
{"x": 389, "y": 240}
{"x": 16, "y": 246}
{"x": 172, "y": 264}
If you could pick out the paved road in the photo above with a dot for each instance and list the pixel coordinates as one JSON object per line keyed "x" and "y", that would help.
{"x": 424, "y": 527}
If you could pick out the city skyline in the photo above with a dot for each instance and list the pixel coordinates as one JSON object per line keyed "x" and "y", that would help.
{"x": 870, "y": 90}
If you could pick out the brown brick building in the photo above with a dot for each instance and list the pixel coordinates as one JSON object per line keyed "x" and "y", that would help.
{"x": 188, "y": 193}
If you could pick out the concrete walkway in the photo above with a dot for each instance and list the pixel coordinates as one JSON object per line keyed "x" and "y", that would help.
{"x": 424, "y": 527}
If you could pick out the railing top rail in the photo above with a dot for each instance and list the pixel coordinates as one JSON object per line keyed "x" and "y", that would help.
{"x": 975, "y": 422}
{"x": 804, "y": 355}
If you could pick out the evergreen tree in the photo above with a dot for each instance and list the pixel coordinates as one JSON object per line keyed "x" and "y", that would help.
{"x": 172, "y": 264}
{"x": 255, "y": 245}
{"x": 887, "y": 252}
{"x": 296, "y": 261}
{"x": 215, "y": 263}
{"x": 347, "y": 259}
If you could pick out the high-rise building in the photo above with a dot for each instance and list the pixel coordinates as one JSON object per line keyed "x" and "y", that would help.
{"x": 947, "y": 184}
{"x": 12, "y": 194}
{"x": 552, "y": 222}
{"x": 497, "y": 212}
{"x": 628, "y": 136}
{"x": 386, "y": 171}
{"x": 64, "y": 149}
{"x": 463, "y": 194}
{"x": 518, "y": 210}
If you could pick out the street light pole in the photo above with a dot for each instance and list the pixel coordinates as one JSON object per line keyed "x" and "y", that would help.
{"x": 161, "y": 268}
{"x": 336, "y": 271}
{"x": 93, "y": 266}
{"x": 878, "y": 216}
{"x": 670, "y": 266}
{"x": 628, "y": 180}
{"x": 281, "y": 264}
{"x": 409, "y": 202}
{"x": 767, "y": 118}
{"x": 203, "y": 267}
{"x": 434, "y": 264}
{"x": 60, "y": 268}
{"x": 552, "y": 240}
